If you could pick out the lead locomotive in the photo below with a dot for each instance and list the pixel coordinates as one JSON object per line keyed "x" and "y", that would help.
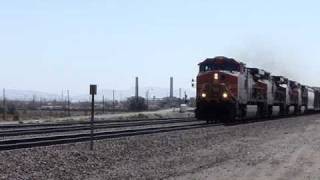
{"x": 225, "y": 88}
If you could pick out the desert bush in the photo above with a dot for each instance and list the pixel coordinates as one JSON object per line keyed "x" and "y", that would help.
{"x": 16, "y": 117}
{"x": 12, "y": 109}
{"x": 136, "y": 104}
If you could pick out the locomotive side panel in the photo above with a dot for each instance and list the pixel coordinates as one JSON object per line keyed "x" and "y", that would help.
{"x": 317, "y": 99}
{"x": 243, "y": 86}
{"x": 311, "y": 99}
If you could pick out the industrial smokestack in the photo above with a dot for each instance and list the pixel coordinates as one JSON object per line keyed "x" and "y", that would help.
{"x": 137, "y": 87}
{"x": 171, "y": 87}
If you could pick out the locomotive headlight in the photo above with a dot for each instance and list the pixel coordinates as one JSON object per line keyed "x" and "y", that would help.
{"x": 225, "y": 95}
{"x": 215, "y": 76}
{"x": 203, "y": 95}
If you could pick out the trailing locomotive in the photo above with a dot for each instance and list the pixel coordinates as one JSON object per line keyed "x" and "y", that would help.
{"x": 226, "y": 87}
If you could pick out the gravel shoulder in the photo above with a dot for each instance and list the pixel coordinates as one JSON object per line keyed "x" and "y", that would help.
{"x": 164, "y": 113}
{"x": 279, "y": 149}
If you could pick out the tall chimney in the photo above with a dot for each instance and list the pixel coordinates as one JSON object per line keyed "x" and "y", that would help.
{"x": 137, "y": 87}
{"x": 171, "y": 87}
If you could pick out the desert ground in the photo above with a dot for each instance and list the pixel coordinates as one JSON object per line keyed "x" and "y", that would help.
{"x": 287, "y": 148}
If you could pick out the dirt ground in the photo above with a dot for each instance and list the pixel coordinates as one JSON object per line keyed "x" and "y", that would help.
{"x": 289, "y": 153}
{"x": 165, "y": 113}
{"x": 280, "y": 149}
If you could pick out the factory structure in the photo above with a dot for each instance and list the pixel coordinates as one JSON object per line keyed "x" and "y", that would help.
{"x": 171, "y": 89}
{"x": 171, "y": 100}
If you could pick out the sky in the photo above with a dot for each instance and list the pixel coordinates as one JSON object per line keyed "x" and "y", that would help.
{"x": 53, "y": 45}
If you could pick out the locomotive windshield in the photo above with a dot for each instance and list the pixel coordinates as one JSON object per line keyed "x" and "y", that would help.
{"x": 223, "y": 66}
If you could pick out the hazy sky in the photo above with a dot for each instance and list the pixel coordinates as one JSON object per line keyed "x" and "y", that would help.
{"x": 54, "y": 45}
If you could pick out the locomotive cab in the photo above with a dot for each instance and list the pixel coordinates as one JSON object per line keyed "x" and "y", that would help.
{"x": 217, "y": 87}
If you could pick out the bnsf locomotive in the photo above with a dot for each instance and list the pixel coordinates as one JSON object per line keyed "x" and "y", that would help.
{"x": 226, "y": 88}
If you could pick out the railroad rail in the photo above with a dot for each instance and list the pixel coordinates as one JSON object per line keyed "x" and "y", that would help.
{"x": 76, "y": 127}
{"x": 81, "y": 137}
{"x": 107, "y": 130}
{"x": 6, "y": 126}
{"x": 46, "y": 134}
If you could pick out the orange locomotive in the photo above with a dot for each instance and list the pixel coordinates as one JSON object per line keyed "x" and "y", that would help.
{"x": 225, "y": 88}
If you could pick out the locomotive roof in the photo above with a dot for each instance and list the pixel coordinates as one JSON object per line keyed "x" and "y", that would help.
{"x": 316, "y": 88}
{"x": 211, "y": 60}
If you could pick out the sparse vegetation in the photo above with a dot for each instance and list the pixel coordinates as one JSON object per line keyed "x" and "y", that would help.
{"x": 12, "y": 109}
{"x": 136, "y": 104}
{"x": 170, "y": 102}
{"x": 16, "y": 117}
{"x": 138, "y": 116}
{"x": 158, "y": 115}
{"x": 18, "y": 110}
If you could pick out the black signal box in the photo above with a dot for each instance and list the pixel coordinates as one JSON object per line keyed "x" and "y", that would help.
{"x": 93, "y": 89}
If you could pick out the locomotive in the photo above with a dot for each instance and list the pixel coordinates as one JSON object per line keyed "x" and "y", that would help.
{"x": 226, "y": 88}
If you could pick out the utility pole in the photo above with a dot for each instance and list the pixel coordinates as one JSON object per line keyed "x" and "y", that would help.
{"x": 4, "y": 105}
{"x": 41, "y": 101}
{"x": 137, "y": 88}
{"x": 147, "y": 97}
{"x": 185, "y": 97}
{"x": 113, "y": 108}
{"x": 40, "y": 104}
{"x": 62, "y": 96}
{"x": 180, "y": 92}
{"x": 69, "y": 104}
{"x": 93, "y": 92}
{"x": 34, "y": 100}
{"x": 103, "y": 104}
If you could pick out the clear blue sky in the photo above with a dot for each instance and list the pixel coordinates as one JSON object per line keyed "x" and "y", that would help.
{"x": 54, "y": 45}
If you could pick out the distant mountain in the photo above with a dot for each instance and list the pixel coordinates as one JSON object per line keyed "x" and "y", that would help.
{"x": 157, "y": 92}
{"x": 27, "y": 95}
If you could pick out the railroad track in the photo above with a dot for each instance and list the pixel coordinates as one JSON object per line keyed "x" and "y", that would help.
{"x": 31, "y": 125}
{"x": 81, "y": 137}
{"x": 108, "y": 129}
{"x": 99, "y": 125}
{"x": 55, "y": 139}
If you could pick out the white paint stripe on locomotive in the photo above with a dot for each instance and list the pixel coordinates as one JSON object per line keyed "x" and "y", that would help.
{"x": 231, "y": 73}
{"x": 236, "y": 74}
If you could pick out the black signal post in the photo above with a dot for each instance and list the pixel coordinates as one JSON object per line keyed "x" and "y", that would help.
{"x": 93, "y": 92}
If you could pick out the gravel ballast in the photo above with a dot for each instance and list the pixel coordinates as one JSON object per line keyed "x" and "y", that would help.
{"x": 246, "y": 151}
